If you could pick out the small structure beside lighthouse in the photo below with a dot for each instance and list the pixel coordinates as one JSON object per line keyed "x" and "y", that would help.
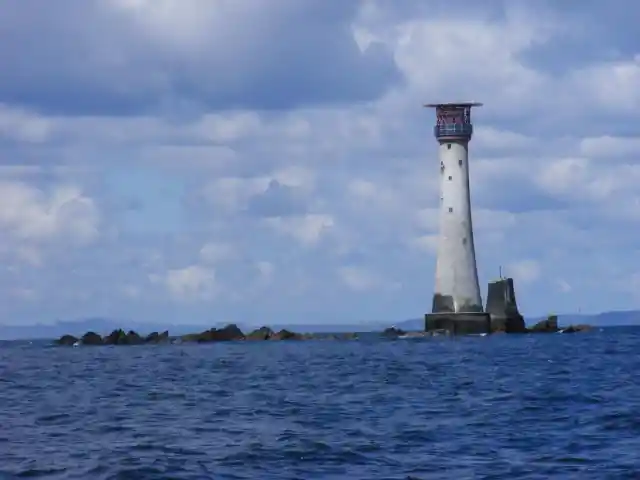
{"x": 457, "y": 303}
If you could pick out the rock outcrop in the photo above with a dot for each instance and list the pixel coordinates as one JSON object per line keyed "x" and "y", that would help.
{"x": 263, "y": 333}
{"x": 68, "y": 340}
{"x": 287, "y": 335}
{"x": 156, "y": 337}
{"x": 577, "y": 328}
{"x": 117, "y": 337}
{"x": 227, "y": 334}
{"x": 232, "y": 333}
{"x": 393, "y": 332}
{"x": 550, "y": 325}
{"x": 91, "y": 338}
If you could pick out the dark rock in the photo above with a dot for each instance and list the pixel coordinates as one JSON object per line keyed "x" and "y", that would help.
{"x": 550, "y": 325}
{"x": 286, "y": 335}
{"x": 262, "y": 333}
{"x": 226, "y": 334}
{"x": 91, "y": 338}
{"x": 116, "y": 337}
{"x": 346, "y": 336}
{"x": 132, "y": 338}
{"x": 119, "y": 337}
{"x": 393, "y": 332}
{"x": 577, "y": 328}
{"x": 68, "y": 340}
{"x": 155, "y": 337}
{"x": 229, "y": 333}
{"x": 191, "y": 337}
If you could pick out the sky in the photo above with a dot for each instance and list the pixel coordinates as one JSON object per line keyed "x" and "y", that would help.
{"x": 201, "y": 161}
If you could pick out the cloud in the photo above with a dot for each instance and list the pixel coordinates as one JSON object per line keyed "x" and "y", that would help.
{"x": 524, "y": 271}
{"x": 21, "y": 125}
{"x": 361, "y": 279}
{"x": 277, "y": 200}
{"x": 608, "y": 148}
{"x": 212, "y": 253}
{"x": 167, "y": 55}
{"x": 257, "y": 159}
{"x": 191, "y": 283}
{"x": 28, "y": 214}
{"x": 305, "y": 229}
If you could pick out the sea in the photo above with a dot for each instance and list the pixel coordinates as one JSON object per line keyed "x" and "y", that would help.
{"x": 545, "y": 406}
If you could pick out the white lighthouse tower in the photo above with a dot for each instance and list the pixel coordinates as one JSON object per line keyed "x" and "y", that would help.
{"x": 457, "y": 304}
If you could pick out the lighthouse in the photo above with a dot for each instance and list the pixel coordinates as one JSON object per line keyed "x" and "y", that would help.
{"x": 457, "y": 303}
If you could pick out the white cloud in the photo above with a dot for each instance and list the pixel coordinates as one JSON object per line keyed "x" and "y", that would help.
{"x": 213, "y": 253}
{"x": 488, "y": 51}
{"x": 358, "y": 278}
{"x": 25, "y": 294}
{"x": 308, "y": 229}
{"x": 427, "y": 243}
{"x": 21, "y": 125}
{"x": 229, "y": 128}
{"x": 188, "y": 284}
{"x": 266, "y": 270}
{"x": 609, "y": 148}
{"x": 232, "y": 194}
{"x": 564, "y": 286}
{"x": 524, "y": 271}
{"x": 32, "y": 219}
{"x": 610, "y": 86}
{"x": 131, "y": 291}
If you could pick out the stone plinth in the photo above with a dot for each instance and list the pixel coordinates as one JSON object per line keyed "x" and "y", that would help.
{"x": 459, "y": 323}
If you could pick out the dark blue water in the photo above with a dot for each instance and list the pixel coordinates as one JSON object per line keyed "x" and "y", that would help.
{"x": 501, "y": 407}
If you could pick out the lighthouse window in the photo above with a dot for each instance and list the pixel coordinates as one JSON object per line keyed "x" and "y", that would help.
{"x": 450, "y": 209}
{"x": 460, "y": 162}
{"x": 450, "y": 177}
{"x": 448, "y": 146}
{"x": 464, "y": 241}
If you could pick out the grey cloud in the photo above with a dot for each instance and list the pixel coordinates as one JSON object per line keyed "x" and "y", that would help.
{"x": 277, "y": 201}
{"x": 87, "y": 57}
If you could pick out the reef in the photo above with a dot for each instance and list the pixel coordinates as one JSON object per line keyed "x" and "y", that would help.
{"x": 117, "y": 337}
{"x": 232, "y": 333}
{"x": 550, "y": 325}
{"x": 228, "y": 333}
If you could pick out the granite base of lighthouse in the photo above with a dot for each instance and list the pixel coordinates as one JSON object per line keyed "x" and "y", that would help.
{"x": 471, "y": 323}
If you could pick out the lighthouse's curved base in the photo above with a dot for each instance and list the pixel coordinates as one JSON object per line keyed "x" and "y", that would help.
{"x": 471, "y": 323}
